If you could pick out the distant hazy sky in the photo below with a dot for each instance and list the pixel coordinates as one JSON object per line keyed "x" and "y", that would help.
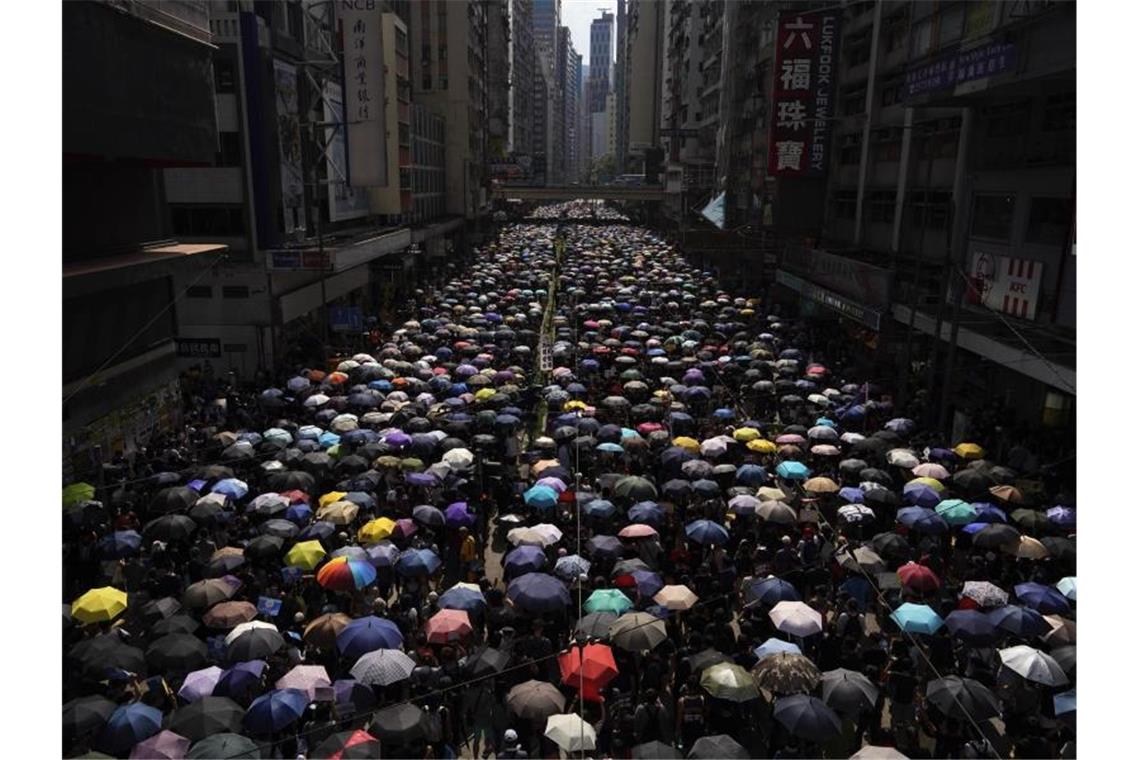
{"x": 577, "y": 14}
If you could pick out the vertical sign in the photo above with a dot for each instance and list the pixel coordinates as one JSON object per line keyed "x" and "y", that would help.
{"x": 803, "y": 93}
{"x": 345, "y": 201}
{"x": 363, "y": 58}
{"x": 289, "y": 140}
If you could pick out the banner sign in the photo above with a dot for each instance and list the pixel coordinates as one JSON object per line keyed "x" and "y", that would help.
{"x": 363, "y": 59}
{"x": 289, "y": 142}
{"x": 1006, "y": 284}
{"x": 345, "y": 201}
{"x": 866, "y": 283}
{"x": 308, "y": 260}
{"x": 803, "y": 93}
{"x": 268, "y": 605}
{"x": 960, "y": 67}
{"x": 833, "y": 301}
{"x": 198, "y": 348}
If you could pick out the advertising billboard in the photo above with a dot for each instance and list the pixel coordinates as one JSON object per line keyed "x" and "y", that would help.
{"x": 289, "y": 142}
{"x": 362, "y": 32}
{"x": 345, "y": 201}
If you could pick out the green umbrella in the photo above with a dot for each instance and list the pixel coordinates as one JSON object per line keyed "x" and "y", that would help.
{"x": 956, "y": 512}
{"x": 77, "y": 492}
{"x": 608, "y": 600}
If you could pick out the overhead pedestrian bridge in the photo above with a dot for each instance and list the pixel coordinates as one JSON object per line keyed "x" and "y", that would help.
{"x": 578, "y": 192}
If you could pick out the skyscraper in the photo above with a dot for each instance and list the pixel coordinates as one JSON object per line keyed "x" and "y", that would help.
{"x": 547, "y": 15}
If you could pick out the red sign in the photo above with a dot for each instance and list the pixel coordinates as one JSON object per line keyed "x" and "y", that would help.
{"x": 1006, "y": 284}
{"x": 803, "y": 93}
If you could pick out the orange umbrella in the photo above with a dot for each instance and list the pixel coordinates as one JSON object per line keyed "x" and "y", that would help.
{"x": 316, "y": 375}
{"x": 337, "y": 378}
{"x": 323, "y": 631}
{"x": 447, "y": 626}
{"x": 588, "y": 668}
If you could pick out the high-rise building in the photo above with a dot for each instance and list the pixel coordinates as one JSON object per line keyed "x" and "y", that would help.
{"x": 547, "y": 15}
{"x": 621, "y": 89}
{"x": 645, "y": 43}
{"x": 498, "y": 80}
{"x": 573, "y": 111}
{"x": 456, "y": 86}
{"x": 566, "y": 74}
{"x": 522, "y": 81}
{"x": 543, "y": 110}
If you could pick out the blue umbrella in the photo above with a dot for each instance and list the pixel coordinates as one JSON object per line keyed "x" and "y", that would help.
{"x": 297, "y": 384}
{"x": 792, "y": 470}
{"x": 524, "y": 559}
{"x": 275, "y": 710}
{"x": 921, "y": 495}
{"x": 771, "y": 591}
{"x": 648, "y": 583}
{"x": 232, "y": 487}
{"x": 706, "y": 488}
{"x": 540, "y": 497}
{"x": 645, "y": 512}
{"x": 922, "y": 520}
{"x": 383, "y": 554}
{"x": 775, "y": 646}
{"x": 361, "y": 499}
{"x": 120, "y": 544}
{"x": 367, "y": 634}
{"x": 466, "y": 599}
{"x": 751, "y": 475}
{"x": 1064, "y": 517}
{"x": 238, "y": 679}
{"x": 1020, "y": 621}
{"x": 972, "y": 626}
{"x": 851, "y": 495}
{"x": 706, "y": 532}
{"x": 1065, "y": 702}
{"x": 860, "y": 589}
{"x": 538, "y": 592}
{"x": 299, "y": 513}
{"x": 321, "y": 529}
{"x": 415, "y": 562}
{"x": 610, "y": 448}
{"x": 421, "y": 479}
{"x": 989, "y": 513}
{"x": 571, "y": 566}
{"x": 129, "y": 725}
{"x": 973, "y": 527}
{"x": 328, "y": 439}
{"x": 601, "y": 508}
{"x": 916, "y": 618}
{"x": 353, "y": 697}
{"x": 1045, "y": 599}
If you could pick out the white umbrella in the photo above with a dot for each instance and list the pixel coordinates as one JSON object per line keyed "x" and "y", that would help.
{"x": 851, "y": 437}
{"x": 743, "y": 504}
{"x": 904, "y": 458}
{"x": 676, "y": 597}
{"x": 250, "y": 626}
{"x": 796, "y": 618}
{"x": 525, "y": 537}
{"x": 459, "y": 458}
{"x": 570, "y": 732}
{"x": 871, "y": 752}
{"x": 1033, "y": 665}
{"x": 317, "y": 399}
{"x": 344, "y": 423}
{"x": 384, "y": 667}
{"x": 550, "y": 533}
{"x": 855, "y": 513}
{"x": 714, "y": 447}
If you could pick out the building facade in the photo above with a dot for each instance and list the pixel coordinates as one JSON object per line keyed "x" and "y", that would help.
{"x": 645, "y": 62}
{"x": 522, "y": 80}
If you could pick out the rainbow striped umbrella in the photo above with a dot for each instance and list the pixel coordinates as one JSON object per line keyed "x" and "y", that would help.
{"x": 345, "y": 574}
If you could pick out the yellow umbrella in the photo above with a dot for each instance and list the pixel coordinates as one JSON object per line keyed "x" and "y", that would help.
{"x": 99, "y": 605}
{"x": 387, "y": 461}
{"x": 821, "y": 485}
{"x": 332, "y": 496}
{"x": 305, "y": 555}
{"x": 339, "y": 512}
{"x": 375, "y": 531}
{"x": 746, "y": 434}
{"x": 935, "y": 484}
{"x": 762, "y": 446}
{"x": 969, "y": 451}
{"x": 484, "y": 393}
{"x": 571, "y": 405}
{"x": 77, "y": 492}
{"x": 688, "y": 444}
{"x": 768, "y": 493}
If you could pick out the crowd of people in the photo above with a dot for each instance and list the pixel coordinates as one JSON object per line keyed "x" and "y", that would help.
{"x": 668, "y": 528}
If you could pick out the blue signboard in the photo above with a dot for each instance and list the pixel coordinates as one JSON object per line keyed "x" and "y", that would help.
{"x": 960, "y": 67}
{"x": 268, "y": 605}
{"x": 346, "y": 319}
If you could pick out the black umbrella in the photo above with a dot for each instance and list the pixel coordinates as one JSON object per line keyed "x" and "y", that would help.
{"x": 962, "y": 698}
{"x": 106, "y": 652}
{"x": 214, "y": 472}
{"x": 177, "y": 653}
{"x": 400, "y": 724}
{"x": 170, "y": 528}
{"x": 891, "y": 544}
{"x": 487, "y": 661}
{"x": 207, "y": 593}
{"x": 655, "y": 750}
{"x": 206, "y": 716}
{"x": 973, "y": 484}
{"x": 158, "y": 609}
{"x": 175, "y": 624}
{"x": 173, "y": 499}
{"x": 1066, "y": 657}
{"x": 596, "y": 625}
{"x": 292, "y": 480}
{"x": 255, "y": 644}
{"x": 996, "y": 535}
{"x": 718, "y": 747}
{"x": 85, "y": 715}
{"x": 806, "y": 717}
{"x": 875, "y": 475}
{"x": 1062, "y": 548}
{"x": 881, "y": 499}
{"x": 706, "y": 658}
{"x": 848, "y": 691}
{"x": 635, "y": 488}
{"x": 335, "y": 745}
{"x": 226, "y": 746}
{"x": 264, "y": 547}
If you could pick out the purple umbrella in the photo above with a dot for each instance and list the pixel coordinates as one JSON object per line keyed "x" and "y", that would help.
{"x": 422, "y": 479}
{"x": 353, "y": 696}
{"x": 648, "y": 583}
{"x": 200, "y": 683}
{"x": 538, "y": 592}
{"x": 552, "y": 483}
{"x": 397, "y": 439}
{"x": 368, "y": 634}
{"x": 239, "y": 679}
{"x": 458, "y": 516}
{"x": 382, "y": 554}
{"x": 1045, "y": 599}
{"x": 165, "y": 745}
{"x": 1064, "y": 517}
{"x": 600, "y": 546}
{"x": 921, "y": 495}
{"x": 524, "y": 559}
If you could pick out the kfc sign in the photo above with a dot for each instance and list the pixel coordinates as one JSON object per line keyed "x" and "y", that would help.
{"x": 1005, "y": 284}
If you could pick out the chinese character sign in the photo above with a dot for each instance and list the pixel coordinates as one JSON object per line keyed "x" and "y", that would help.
{"x": 363, "y": 59}
{"x": 289, "y": 140}
{"x": 803, "y": 94}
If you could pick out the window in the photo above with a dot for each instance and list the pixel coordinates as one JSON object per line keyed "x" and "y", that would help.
{"x": 235, "y": 291}
{"x": 920, "y": 39}
{"x": 930, "y": 209}
{"x": 881, "y": 205}
{"x": 854, "y": 101}
{"x": 224, "y": 75}
{"x": 207, "y": 221}
{"x": 892, "y": 90}
{"x": 993, "y": 216}
{"x": 229, "y": 149}
{"x": 896, "y": 31}
{"x": 849, "y": 148}
{"x": 1049, "y": 221}
{"x": 1008, "y": 120}
{"x": 1060, "y": 113}
{"x": 951, "y": 17}
{"x": 843, "y": 204}
{"x": 199, "y": 291}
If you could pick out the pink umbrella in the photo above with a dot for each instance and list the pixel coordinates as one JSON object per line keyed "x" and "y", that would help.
{"x": 646, "y": 428}
{"x": 165, "y": 745}
{"x": 404, "y": 527}
{"x": 931, "y": 470}
{"x": 637, "y": 530}
{"x": 307, "y": 678}
{"x": 448, "y": 625}
{"x": 793, "y": 439}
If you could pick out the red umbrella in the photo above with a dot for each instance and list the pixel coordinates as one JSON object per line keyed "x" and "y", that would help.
{"x": 919, "y": 577}
{"x": 448, "y": 625}
{"x": 589, "y": 668}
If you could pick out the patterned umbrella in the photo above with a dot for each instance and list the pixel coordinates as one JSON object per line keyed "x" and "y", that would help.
{"x": 786, "y": 673}
{"x": 383, "y": 667}
{"x": 345, "y": 574}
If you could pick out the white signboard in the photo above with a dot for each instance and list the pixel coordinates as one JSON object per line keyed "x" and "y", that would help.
{"x": 289, "y": 140}
{"x": 1006, "y": 284}
{"x": 345, "y": 201}
{"x": 362, "y": 32}
{"x": 545, "y": 357}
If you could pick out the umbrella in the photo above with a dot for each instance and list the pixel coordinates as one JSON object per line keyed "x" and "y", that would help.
{"x": 353, "y": 697}
{"x": 919, "y": 577}
{"x": 571, "y": 566}
{"x": 637, "y": 631}
{"x": 275, "y": 710}
{"x": 706, "y": 533}
{"x": 128, "y": 725}
{"x": 675, "y": 597}
{"x": 596, "y": 625}
{"x": 996, "y": 535}
{"x": 916, "y": 618}
{"x": 383, "y": 667}
{"x": 1044, "y": 599}
{"x": 718, "y": 747}
{"x": 962, "y": 698}
{"x": 99, "y": 605}
{"x": 871, "y": 752}
{"x": 322, "y": 631}
{"x": 177, "y": 652}
{"x": 984, "y": 593}
{"x": 848, "y": 691}
{"x": 447, "y": 626}
{"x": 1033, "y": 665}
{"x": 209, "y": 715}
{"x": 796, "y": 618}
{"x": 607, "y": 600}
{"x": 775, "y": 646}
{"x": 570, "y": 732}
{"x": 524, "y": 559}
{"x": 1068, "y": 587}
{"x": 655, "y": 750}
{"x": 84, "y": 715}
{"x": 1020, "y": 621}
{"x": 417, "y": 562}
{"x": 368, "y": 634}
{"x": 863, "y": 559}
{"x": 771, "y": 591}
{"x": 635, "y": 488}
{"x": 786, "y": 672}
{"x": 106, "y": 652}
{"x": 463, "y": 596}
{"x": 207, "y": 593}
{"x": 400, "y": 724}
{"x": 348, "y": 744}
{"x": 165, "y": 745}
{"x": 487, "y": 661}
{"x": 305, "y": 555}
{"x": 535, "y": 700}
{"x": 792, "y": 470}
{"x": 224, "y": 746}
{"x": 307, "y": 678}
{"x": 729, "y": 681}
{"x": 590, "y": 667}
{"x": 806, "y": 717}
{"x": 345, "y": 574}
{"x": 972, "y": 626}
{"x": 538, "y": 592}
{"x": 776, "y": 512}
{"x": 253, "y": 641}
{"x": 120, "y": 544}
